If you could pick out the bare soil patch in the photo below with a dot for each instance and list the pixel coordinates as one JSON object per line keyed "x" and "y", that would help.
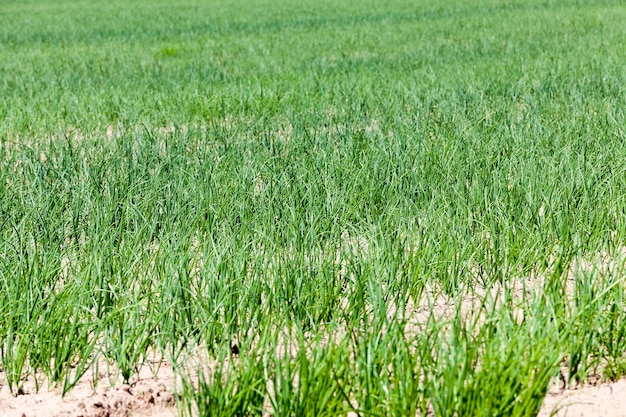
{"x": 148, "y": 395}
{"x": 151, "y": 396}
{"x": 602, "y": 400}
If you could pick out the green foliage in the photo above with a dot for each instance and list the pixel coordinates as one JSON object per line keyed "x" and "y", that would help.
{"x": 336, "y": 178}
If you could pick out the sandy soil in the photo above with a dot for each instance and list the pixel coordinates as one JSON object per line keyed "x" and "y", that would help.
{"x": 602, "y": 400}
{"x": 146, "y": 396}
{"x": 151, "y": 396}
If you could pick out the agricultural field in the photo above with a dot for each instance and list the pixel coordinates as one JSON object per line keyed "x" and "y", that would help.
{"x": 312, "y": 207}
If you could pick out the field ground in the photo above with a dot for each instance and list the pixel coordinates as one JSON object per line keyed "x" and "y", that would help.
{"x": 143, "y": 400}
{"x": 312, "y": 208}
{"x": 150, "y": 396}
